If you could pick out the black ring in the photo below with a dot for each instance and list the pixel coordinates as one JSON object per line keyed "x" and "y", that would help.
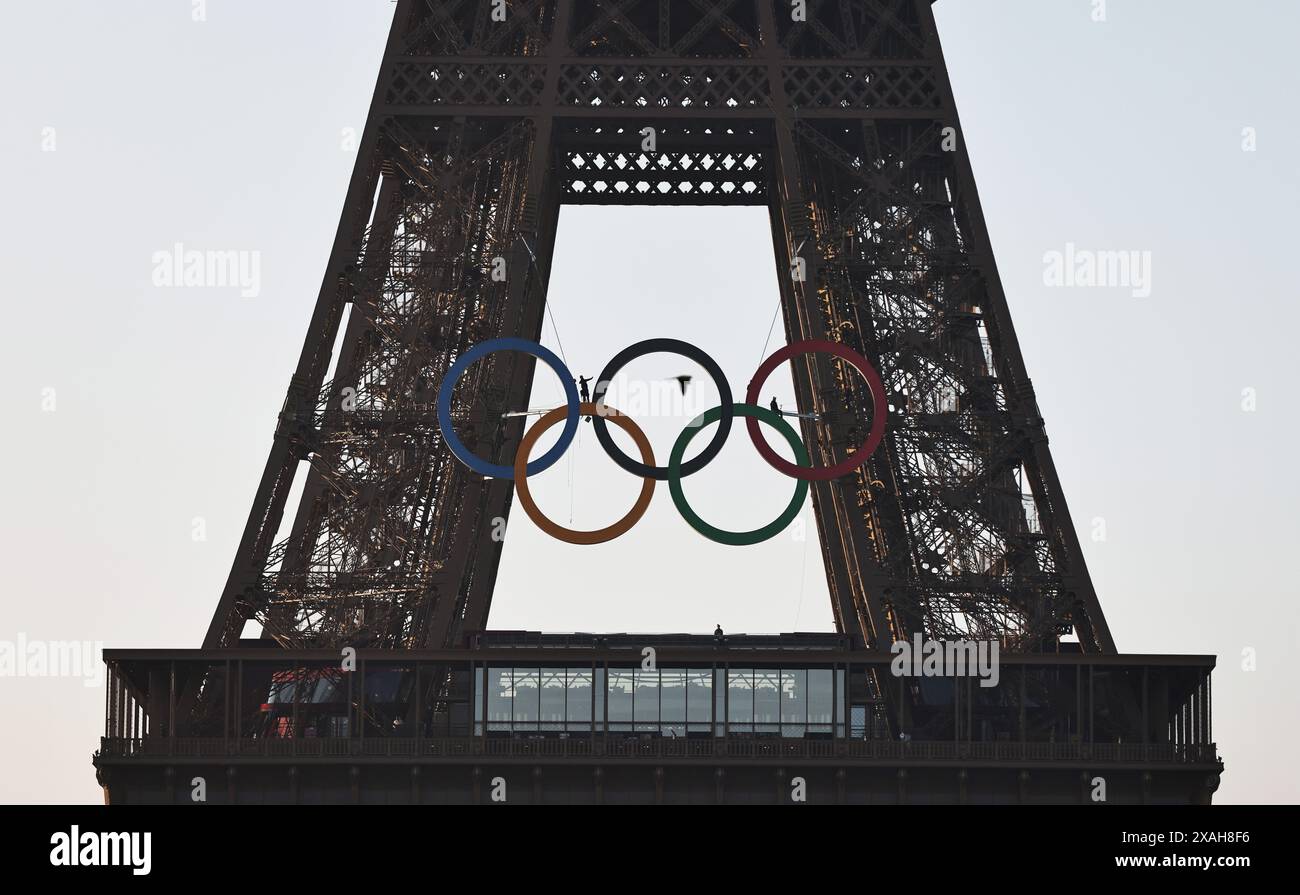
{"x": 669, "y": 346}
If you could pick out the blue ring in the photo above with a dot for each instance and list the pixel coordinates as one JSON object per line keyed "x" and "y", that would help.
{"x": 462, "y": 453}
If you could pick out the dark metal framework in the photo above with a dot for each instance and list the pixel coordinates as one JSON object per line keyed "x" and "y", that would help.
{"x": 578, "y": 718}
{"x": 844, "y": 126}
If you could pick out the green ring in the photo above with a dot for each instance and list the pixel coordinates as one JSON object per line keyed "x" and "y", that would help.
{"x": 737, "y": 538}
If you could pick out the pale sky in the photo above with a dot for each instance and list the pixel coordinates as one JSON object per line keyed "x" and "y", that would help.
{"x": 130, "y": 128}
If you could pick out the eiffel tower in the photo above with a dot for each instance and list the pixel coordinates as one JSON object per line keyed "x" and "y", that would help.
{"x": 838, "y": 117}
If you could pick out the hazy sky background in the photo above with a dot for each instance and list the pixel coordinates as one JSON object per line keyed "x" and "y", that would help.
{"x": 229, "y": 134}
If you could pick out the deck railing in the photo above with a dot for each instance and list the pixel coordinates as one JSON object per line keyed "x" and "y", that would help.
{"x": 616, "y": 747}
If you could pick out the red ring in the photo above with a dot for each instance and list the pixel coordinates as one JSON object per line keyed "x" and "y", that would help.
{"x": 879, "y": 411}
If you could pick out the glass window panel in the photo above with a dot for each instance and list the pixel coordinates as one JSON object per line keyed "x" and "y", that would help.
{"x": 821, "y": 686}
{"x": 382, "y": 684}
{"x": 646, "y": 699}
{"x": 552, "y": 698}
{"x": 672, "y": 695}
{"x": 527, "y": 697}
{"x": 767, "y": 696}
{"x": 598, "y": 690}
{"x": 794, "y": 696}
{"x": 740, "y": 696}
{"x": 329, "y": 688}
{"x": 282, "y": 687}
{"x": 858, "y": 722}
{"x": 501, "y": 694}
{"x": 699, "y": 695}
{"x": 579, "y": 696}
{"x": 839, "y": 697}
{"x": 478, "y": 694}
{"x": 719, "y": 701}
{"x": 936, "y": 691}
{"x": 620, "y": 695}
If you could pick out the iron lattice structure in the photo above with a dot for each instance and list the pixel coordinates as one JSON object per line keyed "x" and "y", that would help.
{"x": 844, "y": 126}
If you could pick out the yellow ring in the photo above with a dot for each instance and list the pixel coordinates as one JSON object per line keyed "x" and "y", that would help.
{"x": 569, "y": 535}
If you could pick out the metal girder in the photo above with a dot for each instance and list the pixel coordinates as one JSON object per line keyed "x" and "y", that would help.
{"x": 842, "y": 124}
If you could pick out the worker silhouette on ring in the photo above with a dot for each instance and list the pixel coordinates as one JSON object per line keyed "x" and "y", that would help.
{"x": 583, "y": 391}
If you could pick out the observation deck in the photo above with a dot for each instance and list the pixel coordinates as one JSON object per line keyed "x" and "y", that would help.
{"x": 524, "y": 717}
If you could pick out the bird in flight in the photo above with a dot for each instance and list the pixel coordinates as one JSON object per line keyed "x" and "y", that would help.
{"x": 683, "y": 381}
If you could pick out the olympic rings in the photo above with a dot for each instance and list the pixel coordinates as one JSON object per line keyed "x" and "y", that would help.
{"x": 737, "y": 538}
{"x": 463, "y": 454}
{"x": 601, "y": 535}
{"x": 879, "y": 410}
{"x": 670, "y": 346}
{"x": 802, "y": 470}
